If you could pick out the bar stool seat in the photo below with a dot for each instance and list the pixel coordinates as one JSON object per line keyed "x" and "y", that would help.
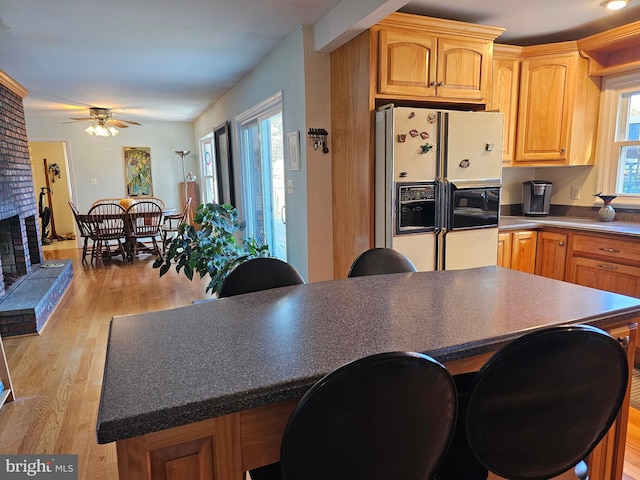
{"x": 542, "y": 403}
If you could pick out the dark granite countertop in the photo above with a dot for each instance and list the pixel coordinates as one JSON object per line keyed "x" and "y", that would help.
{"x": 573, "y": 223}
{"x": 169, "y": 368}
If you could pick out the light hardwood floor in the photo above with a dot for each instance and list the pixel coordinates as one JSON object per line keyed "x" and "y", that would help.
{"x": 57, "y": 375}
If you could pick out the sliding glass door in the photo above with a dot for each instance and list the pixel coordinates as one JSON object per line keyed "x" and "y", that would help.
{"x": 261, "y": 146}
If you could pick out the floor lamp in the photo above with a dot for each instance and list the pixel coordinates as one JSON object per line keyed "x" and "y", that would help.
{"x": 186, "y": 177}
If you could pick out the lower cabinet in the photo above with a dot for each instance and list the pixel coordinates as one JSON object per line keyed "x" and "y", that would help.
{"x": 605, "y": 275}
{"x": 606, "y": 263}
{"x": 551, "y": 254}
{"x": 611, "y": 264}
{"x": 517, "y": 250}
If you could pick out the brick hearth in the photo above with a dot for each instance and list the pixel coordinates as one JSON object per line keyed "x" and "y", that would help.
{"x": 26, "y": 308}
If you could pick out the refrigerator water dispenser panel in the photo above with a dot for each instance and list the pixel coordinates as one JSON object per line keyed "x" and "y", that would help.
{"x": 416, "y": 208}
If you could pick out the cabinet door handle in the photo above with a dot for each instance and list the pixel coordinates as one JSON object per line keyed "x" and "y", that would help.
{"x": 432, "y": 84}
{"x": 440, "y": 84}
{"x": 607, "y": 267}
{"x": 562, "y": 150}
{"x": 561, "y": 243}
{"x": 609, "y": 250}
{"x": 624, "y": 341}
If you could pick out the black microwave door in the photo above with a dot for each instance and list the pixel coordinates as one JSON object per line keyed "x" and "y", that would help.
{"x": 474, "y": 207}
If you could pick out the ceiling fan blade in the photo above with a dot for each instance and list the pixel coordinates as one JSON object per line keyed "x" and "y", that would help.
{"x": 117, "y": 123}
{"x": 130, "y": 122}
{"x": 84, "y": 118}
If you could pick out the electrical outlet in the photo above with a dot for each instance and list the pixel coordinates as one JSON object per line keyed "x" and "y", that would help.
{"x": 575, "y": 192}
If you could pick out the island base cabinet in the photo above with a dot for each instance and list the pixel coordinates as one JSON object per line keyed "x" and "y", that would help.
{"x": 204, "y": 450}
{"x": 224, "y": 448}
{"x": 607, "y": 460}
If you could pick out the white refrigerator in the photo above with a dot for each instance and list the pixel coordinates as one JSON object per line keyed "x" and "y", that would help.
{"x": 437, "y": 185}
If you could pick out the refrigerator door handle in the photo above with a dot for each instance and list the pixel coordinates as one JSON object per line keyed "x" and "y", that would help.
{"x": 446, "y": 211}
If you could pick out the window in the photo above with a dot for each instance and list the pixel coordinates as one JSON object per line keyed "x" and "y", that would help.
{"x": 208, "y": 170}
{"x": 619, "y": 138}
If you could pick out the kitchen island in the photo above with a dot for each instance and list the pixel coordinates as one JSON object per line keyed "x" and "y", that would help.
{"x": 206, "y": 389}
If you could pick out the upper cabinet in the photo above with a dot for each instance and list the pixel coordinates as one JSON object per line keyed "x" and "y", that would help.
{"x": 433, "y": 60}
{"x": 504, "y": 93}
{"x": 545, "y": 108}
{"x": 556, "y": 117}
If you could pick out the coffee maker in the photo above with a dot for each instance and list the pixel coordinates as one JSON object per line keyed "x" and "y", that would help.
{"x": 536, "y": 197}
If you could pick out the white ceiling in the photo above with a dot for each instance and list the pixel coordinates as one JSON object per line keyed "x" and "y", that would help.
{"x": 166, "y": 60}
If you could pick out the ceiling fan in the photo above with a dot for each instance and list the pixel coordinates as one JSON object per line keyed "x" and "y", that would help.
{"x": 105, "y": 125}
{"x": 103, "y": 116}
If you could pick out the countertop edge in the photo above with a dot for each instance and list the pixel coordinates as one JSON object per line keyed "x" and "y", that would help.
{"x": 509, "y": 223}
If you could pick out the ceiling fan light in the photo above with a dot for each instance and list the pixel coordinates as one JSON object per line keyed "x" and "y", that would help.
{"x": 101, "y": 131}
{"x": 615, "y": 4}
{"x": 113, "y": 131}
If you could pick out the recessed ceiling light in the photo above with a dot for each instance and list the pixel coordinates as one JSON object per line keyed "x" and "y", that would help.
{"x": 615, "y": 4}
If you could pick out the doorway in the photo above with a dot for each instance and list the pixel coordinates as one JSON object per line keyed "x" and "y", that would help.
{"x": 56, "y": 196}
{"x": 261, "y": 142}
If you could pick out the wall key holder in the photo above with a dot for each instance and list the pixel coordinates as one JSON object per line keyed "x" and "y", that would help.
{"x": 319, "y": 137}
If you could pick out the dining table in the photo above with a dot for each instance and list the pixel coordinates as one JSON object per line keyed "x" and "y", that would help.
{"x": 204, "y": 391}
{"x": 92, "y": 221}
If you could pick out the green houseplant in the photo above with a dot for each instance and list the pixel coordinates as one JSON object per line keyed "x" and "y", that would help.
{"x": 214, "y": 248}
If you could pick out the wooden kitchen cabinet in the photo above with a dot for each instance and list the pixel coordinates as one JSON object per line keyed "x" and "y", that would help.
{"x": 504, "y": 249}
{"x": 557, "y": 109}
{"x": 551, "y": 254}
{"x": 433, "y": 59}
{"x": 355, "y": 95}
{"x": 517, "y": 250}
{"x": 504, "y": 93}
{"x": 611, "y": 264}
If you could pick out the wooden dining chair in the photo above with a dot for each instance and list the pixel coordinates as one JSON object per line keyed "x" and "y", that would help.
{"x": 143, "y": 223}
{"x": 108, "y": 222}
{"x": 105, "y": 200}
{"x": 171, "y": 223}
{"x": 87, "y": 231}
{"x": 156, "y": 200}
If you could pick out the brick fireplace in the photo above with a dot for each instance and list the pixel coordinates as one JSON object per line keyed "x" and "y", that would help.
{"x": 29, "y": 287}
{"x": 20, "y": 245}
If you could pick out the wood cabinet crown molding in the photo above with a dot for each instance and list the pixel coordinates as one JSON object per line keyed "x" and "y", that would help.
{"x": 439, "y": 26}
{"x": 12, "y": 85}
{"x": 558, "y": 48}
{"x": 614, "y": 51}
{"x": 505, "y": 51}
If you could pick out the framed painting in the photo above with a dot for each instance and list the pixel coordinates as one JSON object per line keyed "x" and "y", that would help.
{"x": 137, "y": 168}
{"x": 222, "y": 146}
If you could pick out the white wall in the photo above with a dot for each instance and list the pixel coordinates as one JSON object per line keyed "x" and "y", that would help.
{"x": 284, "y": 69}
{"x": 102, "y": 158}
{"x": 562, "y": 179}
